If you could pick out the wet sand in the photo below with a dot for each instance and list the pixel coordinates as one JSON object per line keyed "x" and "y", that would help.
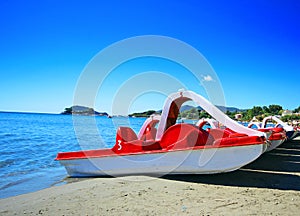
{"x": 268, "y": 186}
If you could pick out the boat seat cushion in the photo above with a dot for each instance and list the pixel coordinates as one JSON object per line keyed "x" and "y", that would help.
{"x": 183, "y": 136}
{"x": 238, "y": 141}
{"x": 126, "y": 134}
{"x": 218, "y": 133}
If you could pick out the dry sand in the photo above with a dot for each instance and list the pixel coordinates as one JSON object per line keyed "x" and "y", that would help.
{"x": 268, "y": 186}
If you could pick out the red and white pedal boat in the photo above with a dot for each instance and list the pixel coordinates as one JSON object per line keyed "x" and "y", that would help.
{"x": 277, "y": 134}
{"x": 291, "y": 133}
{"x": 171, "y": 148}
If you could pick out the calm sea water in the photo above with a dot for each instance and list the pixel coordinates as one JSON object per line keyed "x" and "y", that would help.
{"x": 29, "y": 144}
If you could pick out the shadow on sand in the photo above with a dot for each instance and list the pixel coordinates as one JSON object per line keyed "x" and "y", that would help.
{"x": 278, "y": 169}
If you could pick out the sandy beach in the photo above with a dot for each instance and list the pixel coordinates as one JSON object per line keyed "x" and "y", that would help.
{"x": 268, "y": 186}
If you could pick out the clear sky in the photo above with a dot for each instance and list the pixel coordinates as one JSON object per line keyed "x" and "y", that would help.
{"x": 253, "y": 46}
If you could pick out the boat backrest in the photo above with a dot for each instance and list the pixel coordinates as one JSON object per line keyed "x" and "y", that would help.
{"x": 126, "y": 134}
{"x": 149, "y": 134}
{"x": 201, "y": 124}
{"x": 127, "y": 142}
{"x": 149, "y": 125}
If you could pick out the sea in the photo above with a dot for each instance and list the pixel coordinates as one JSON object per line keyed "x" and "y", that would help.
{"x": 29, "y": 143}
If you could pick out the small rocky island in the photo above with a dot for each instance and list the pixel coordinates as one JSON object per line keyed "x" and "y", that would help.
{"x": 82, "y": 110}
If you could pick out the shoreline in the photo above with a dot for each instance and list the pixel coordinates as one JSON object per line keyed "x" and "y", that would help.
{"x": 269, "y": 185}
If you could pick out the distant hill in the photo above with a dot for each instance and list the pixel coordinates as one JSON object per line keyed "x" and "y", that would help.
{"x": 230, "y": 109}
{"x": 82, "y": 110}
{"x": 143, "y": 114}
{"x": 222, "y": 108}
{"x": 185, "y": 108}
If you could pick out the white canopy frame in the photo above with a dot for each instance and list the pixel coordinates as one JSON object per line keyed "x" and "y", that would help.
{"x": 285, "y": 126}
{"x": 208, "y": 107}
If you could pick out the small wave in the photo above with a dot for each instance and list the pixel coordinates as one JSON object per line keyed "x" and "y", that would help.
{"x": 7, "y": 135}
{"x": 21, "y": 181}
{"x": 19, "y": 139}
{"x": 6, "y": 163}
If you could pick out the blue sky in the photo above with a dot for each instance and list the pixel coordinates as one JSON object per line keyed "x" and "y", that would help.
{"x": 253, "y": 46}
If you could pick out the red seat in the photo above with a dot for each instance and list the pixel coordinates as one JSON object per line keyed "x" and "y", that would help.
{"x": 276, "y": 133}
{"x": 238, "y": 141}
{"x": 218, "y": 133}
{"x": 183, "y": 136}
{"x": 278, "y": 129}
{"x": 124, "y": 136}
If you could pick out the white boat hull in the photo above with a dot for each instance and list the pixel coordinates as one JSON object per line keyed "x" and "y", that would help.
{"x": 192, "y": 161}
{"x": 292, "y": 134}
{"x": 274, "y": 144}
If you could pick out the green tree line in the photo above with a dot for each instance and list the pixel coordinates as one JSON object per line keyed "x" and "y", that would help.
{"x": 259, "y": 112}
{"x": 256, "y": 111}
